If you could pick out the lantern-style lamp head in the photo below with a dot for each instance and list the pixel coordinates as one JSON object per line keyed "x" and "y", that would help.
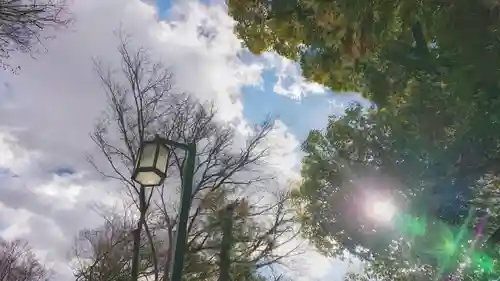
{"x": 151, "y": 165}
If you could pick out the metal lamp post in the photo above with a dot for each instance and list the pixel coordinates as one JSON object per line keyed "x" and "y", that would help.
{"x": 151, "y": 170}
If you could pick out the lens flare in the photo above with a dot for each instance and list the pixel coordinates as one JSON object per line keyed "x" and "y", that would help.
{"x": 381, "y": 210}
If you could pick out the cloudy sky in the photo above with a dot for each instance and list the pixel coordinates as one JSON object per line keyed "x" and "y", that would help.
{"x": 48, "y": 191}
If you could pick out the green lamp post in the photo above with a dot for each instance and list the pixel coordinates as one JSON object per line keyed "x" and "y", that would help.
{"x": 151, "y": 170}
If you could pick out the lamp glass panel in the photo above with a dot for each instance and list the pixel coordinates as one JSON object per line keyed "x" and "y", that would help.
{"x": 148, "y": 178}
{"x": 148, "y": 155}
{"x": 161, "y": 163}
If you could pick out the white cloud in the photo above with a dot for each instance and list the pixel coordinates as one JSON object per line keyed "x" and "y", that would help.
{"x": 57, "y": 99}
{"x": 13, "y": 155}
{"x": 290, "y": 81}
{"x": 49, "y": 212}
{"x": 284, "y": 149}
{"x": 49, "y": 109}
{"x": 62, "y": 84}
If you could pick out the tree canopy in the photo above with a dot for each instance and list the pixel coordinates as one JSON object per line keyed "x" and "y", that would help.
{"x": 345, "y": 44}
{"x": 430, "y": 140}
{"x": 361, "y": 158}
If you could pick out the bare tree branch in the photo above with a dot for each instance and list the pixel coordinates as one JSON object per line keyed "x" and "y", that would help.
{"x": 142, "y": 103}
{"x": 19, "y": 263}
{"x": 23, "y": 21}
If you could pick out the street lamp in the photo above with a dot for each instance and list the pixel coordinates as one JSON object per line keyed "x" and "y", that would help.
{"x": 151, "y": 165}
{"x": 151, "y": 170}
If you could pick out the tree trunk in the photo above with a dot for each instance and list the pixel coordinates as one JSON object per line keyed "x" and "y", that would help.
{"x": 226, "y": 244}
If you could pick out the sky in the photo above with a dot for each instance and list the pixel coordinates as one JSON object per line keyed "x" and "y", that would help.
{"x": 49, "y": 192}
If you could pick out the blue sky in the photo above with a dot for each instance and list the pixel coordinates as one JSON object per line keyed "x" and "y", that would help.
{"x": 163, "y": 7}
{"x": 300, "y": 116}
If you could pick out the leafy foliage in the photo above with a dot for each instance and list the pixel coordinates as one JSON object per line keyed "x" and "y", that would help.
{"x": 343, "y": 44}
{"x": 370, "y": 154}
{"x": 430, "y": 141}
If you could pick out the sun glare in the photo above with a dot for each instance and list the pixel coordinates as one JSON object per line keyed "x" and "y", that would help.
{"x": 381, "y": 210}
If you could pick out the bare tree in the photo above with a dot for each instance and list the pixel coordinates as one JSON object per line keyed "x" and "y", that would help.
{"x": 22, "y": 23}
{"x": 257, "y": 234}
{"x": 105, "y": 253}
{"x": 19, "y": 263}
{"x": 142, "y": 103}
